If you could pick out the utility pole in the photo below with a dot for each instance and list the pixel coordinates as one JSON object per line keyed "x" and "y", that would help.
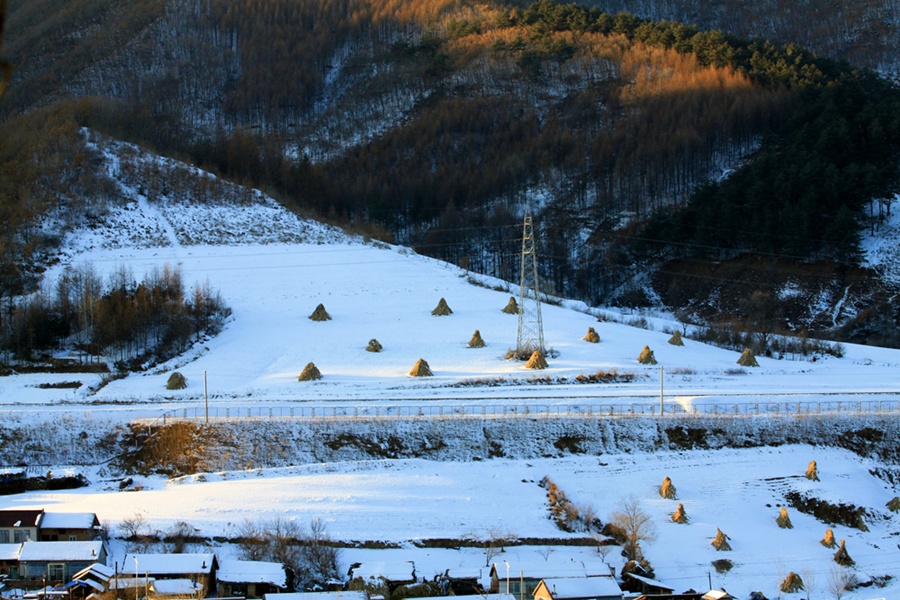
{"x": 206, "y": 397}
{"x": 531, "y": 330}
{"x": 660, "y": 390}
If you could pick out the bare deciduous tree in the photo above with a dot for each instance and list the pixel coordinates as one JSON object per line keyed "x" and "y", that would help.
{"x": 134, "y": 527}
{"x": 840, "y": 581}
{"x": 636, "y": 525}
{"x": 307, "y": 551}
{"x": 178, "y": 535}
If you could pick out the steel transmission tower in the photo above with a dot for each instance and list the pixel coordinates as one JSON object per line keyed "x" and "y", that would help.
{"x": 531, "y": 329}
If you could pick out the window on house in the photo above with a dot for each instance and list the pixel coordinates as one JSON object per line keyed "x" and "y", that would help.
{"x": 73, "y": 538}
{"x": 56, "y": 571}
{"x": 4, "y": 536}
{"x": 20, "y": 536}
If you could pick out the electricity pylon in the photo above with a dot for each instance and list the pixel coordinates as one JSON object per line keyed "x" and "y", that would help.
{"x": 531, "y": 329}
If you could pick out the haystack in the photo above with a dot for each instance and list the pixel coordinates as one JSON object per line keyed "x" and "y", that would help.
{"x": 310, "y": 373}
{"x": 537, "y": 361}
{"x": 667, "y": 490}
{"x": 675, "y": 340}
{"x": 842, "y": 558}
{"x": 791, "y": 584}
{"x": 421, "y": 369}
{"x": 374, "y": 346}
{"x": 592, "y": 336}
{"x": 176, "y": 381}
{"x": 894, "y": 504}
{"x": 679, "y": 516}
{"x": 511, "y": 308}
{"x": 320, "y": 314}
{"x": 783, "y": 520}
{"x": 442, "y": 309}
{"x": 828, "y": 540}
{"x": 476, "y": 341}
{"x": 646, "y": 356}
{"x": 720, "y": 542}
{"x": 812, "y": 471}
{"x": 747, "y": 359}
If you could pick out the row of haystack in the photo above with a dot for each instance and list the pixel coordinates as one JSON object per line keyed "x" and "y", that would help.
{"x": 646, "y": 357}
{"x": 721, "y": 540}
{"x": 312, "y": 373}
{"x": 441, "y": 310}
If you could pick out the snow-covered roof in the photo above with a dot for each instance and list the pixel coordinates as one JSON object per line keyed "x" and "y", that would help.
{"x": 176, "y": 587}
{"x": 716, "y": 595}
{"x": 97, "y": 571}
{"x": 582, "y": 587}
{"x": 542, "y": 569}
{"x": 347, "y": 595}
{"x": 20, "y": 518}
{"x": 461, "y": 573}
{"x": 648, "y": 581}
{"x": 172, "y": 564}
{"x": 10, "y": 551}
{"x": 60, "y": 551}
{"x": 390, "y": 571}
{"x": 127, "y": 583}
{"x": 57, "y": 520}
{"x": 250, "y": 571}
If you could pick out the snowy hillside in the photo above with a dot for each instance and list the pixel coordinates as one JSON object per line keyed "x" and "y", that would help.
{"x": 274, "y": 268}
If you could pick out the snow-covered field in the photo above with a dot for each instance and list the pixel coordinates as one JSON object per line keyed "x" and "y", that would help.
{"x": 274, "y": 276}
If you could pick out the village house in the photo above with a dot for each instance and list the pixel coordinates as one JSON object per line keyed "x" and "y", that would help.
{"x": 71, "y": 527}
{"x": 253, "y": 579}
{"x": 522, "y": 578}
{"x": 57, "y": 562}
{"x": 198, "y": 568}
{"x": 393, "y": 575}
{"x": 578, "y": 588}
{"x": 95, "y": 578}
{"x": 9, "y": 560}
{"x": 645, "y": 585}
{"x": 461, "y": 582}
{"x": 17, "y": 526}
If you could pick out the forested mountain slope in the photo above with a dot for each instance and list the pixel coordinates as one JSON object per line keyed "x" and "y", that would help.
{"x": 436, "y": 123}
{"x": 863, "y": 32}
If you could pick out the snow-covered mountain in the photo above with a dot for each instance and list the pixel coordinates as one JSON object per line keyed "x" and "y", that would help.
{"x": 274, "y": 268}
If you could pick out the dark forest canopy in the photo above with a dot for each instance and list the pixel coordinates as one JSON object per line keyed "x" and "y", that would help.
{"x": 433, "y": 122}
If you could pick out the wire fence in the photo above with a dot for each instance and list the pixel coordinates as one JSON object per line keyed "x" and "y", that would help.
{"x": 532, "y": 411}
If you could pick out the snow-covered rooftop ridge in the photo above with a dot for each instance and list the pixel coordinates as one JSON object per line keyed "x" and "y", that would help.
{"x": 386, "y": 570}
{"x": 581, "y": 587}
{"x": 171, "y": 564}
{"x": 10, "y": 551}
{"x": 249, "y": 571}
{"x": 97, "y": 570}
{"x": 60, "y": 551}
{"x": 61, "y": 520}
{"x": 176, "y": 587}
